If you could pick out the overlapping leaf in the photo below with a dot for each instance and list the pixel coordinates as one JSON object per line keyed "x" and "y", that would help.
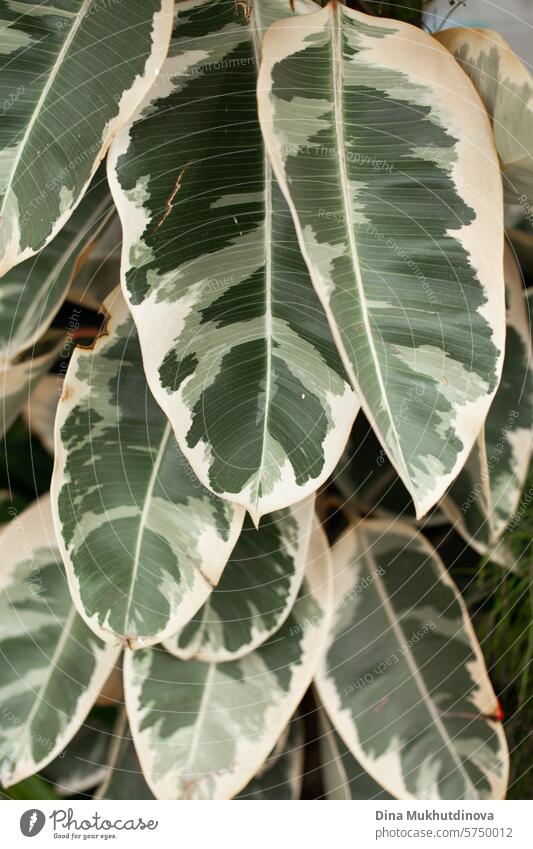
{"x": 281, "y": 777}
{"x": 235, "y": 343}
{"x": 342, "y": 775}
{"x": 52, "y": 667}
{"x": 256, "y": 592}
{"x": 124, "y": 778}
{"x": 144, "y": 543}
{"x": 506, "y": 89}
{"x": 404, "y": 681}
{"x": 31, "y": 293}
{"x": 202, "y": 730}
{"x": 385, "y": 155}
{"x": 71, "y": 75}
{"x": 486, "y": 494}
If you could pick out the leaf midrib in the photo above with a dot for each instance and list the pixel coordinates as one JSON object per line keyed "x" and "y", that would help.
{"x": 410, "y": 660}
{"x": 44, "y": 94}
{"x": 335, "y": 19}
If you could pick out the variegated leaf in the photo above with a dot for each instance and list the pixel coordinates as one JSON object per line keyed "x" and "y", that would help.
{"x": 281, "y": 776}
{"x": 52, "y": 667}
{"x": 202, "y": 730}
{"x": 32, "y": 293}
{"x": 123, "y": 778}
{"x": 256, "y": 592}
{"x": 384, "y": 152}
{"x": 342, "y": 775}
{"x": 71, "y": 74}
{"x": 143, "y": 542}
{"x": 235, "y": 343}
{"x": 506, "y": 89}
{"x": 404, "y": 681}
{"x": 19, "y": 378}
{"x": 486, "y": 494}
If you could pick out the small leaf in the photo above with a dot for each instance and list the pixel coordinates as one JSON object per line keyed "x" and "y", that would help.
{"x": 257, "y": 590}
{"x": 404, "y": 682}
{"x": 203, "y": 730}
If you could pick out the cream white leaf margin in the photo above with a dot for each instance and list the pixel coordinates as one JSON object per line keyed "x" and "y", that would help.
{"x": 404, "y": 681}
{"x": 401, "y": 229}
{"x": 46, "y": 169}
{"x": 202, "y": 731}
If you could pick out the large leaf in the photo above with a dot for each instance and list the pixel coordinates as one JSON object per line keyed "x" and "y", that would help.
{"x": 506, "y": 88}
{"x": 31, "y": 293}
{"x": 235, "y": 343}
{"x": 144, "y": 543}
{"x": 256, "y": 592}
{"x": 404, "y": 681}
{"x": 486, "y": 494}
{"x": 385, "y": 155}
{"x": 203, "y": 730}
{"x": 52, "y": 667}
{"x": 19, "y": 377}
{"x": 71, "y": 75}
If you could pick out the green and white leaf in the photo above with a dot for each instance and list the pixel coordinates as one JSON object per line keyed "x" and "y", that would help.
{"x": 506, "y": 88}
{"x": 404, "y": 682}
{"x": 19, "y": 378}
{"x": 281, "y": 777}
{"x": 39, "y": 412}
{"x": 32, "y": 292}
{"x": 203, "y": 730}
{"x": 398, "y": 211}
{"x": 143, "y": 542}
{"x": 256, "y": 592}
{"x": 342, "y": 775}
{"x": 71, "y": 75}
{"x": 486, "y": 494}
{"x": 52, "y": 667}
{"x": 236, "y": 346}
{"x": 123, "y": 776}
